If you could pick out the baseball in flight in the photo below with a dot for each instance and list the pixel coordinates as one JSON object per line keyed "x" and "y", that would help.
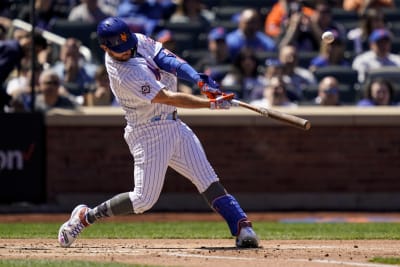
{"x": 328, "y": 37}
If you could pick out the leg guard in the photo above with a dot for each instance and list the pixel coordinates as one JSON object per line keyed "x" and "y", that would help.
{"x": 231, "y": 211}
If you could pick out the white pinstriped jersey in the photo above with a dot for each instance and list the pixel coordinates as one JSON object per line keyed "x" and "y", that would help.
{"x": 137, "y": 81}
{"x": 154, "y": 145}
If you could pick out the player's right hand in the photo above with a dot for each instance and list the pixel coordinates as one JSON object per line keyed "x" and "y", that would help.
{"x": 223, "y": 101}
{"x": 208, "y": 86}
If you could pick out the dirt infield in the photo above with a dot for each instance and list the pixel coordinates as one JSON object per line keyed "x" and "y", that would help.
{"x": 198, "y": 252}
{"x": 204, "y": 253}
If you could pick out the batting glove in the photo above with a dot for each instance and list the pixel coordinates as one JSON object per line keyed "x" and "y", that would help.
{"x": 224, "y": 101}
{"x": 208, "y": 86}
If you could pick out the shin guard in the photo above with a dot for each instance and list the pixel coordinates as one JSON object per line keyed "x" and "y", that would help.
{"x": 228, "y": 207}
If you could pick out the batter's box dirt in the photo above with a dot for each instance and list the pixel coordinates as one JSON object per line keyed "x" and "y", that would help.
{"x": 206, "y": 252}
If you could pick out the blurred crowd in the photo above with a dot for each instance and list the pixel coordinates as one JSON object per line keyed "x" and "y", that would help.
{"x": 269, "y": 53}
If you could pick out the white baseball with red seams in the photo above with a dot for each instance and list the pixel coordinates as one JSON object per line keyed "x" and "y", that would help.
{"x": 155, "y": 145}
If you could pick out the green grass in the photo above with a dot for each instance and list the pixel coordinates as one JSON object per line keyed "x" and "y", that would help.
{"x": 386, "y": 260}
{"x": 266, "y": 230}
{"x": 53, "y": 263}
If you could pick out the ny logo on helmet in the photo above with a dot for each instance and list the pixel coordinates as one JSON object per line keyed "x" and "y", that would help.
{"x": 124, "y": 37}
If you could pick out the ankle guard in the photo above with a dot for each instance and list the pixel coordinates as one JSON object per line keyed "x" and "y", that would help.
{"x": 228, "y": 207}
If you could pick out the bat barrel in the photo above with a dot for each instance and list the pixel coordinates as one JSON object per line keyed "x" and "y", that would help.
{"x": 290, "y": 119}
{"x": 276, "y": 115}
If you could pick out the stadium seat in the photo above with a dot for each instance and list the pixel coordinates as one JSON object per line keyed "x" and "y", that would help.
{"x": 194, "y": 28}
{"x": 394, "y": 27}
{"x": 76, "y": 29}
{"x": 347, "y": 94}
{"x": 264, "y": 55}
{"x": 345, "y": 75}
{"x": 306, "y": 57}
{"x": 184, "y": 41}
{"x": 226, "y": 13}
{"x": 391, "y": 14}
{"x": 257, "y": 4}
{"x": 229, "y": 25}
{"x": 341, "y": 15}
{"x": 192, "y": 56}
{"x": 218, "y": 72}
{"x": 396, "y": 45}
{"x": 389, "y": 73}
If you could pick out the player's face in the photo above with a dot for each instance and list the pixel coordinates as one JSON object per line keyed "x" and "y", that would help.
{"x": 123, "y": 56}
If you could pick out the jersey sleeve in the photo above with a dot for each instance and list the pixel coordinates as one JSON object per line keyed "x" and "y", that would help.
{"x": 147, "y": 47}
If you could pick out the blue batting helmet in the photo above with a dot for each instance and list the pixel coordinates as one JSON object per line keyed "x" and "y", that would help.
{"x": 114, "y": 33}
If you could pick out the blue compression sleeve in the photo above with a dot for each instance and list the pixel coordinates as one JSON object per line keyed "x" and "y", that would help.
{"x": 169, "y": 62}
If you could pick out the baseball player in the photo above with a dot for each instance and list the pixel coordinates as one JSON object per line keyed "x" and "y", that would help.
{"x": 143, "y": 77}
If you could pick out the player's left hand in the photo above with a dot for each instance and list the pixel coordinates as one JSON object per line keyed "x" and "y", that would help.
{"x": 224, "y": 101}
{"x": 208, "y": 86}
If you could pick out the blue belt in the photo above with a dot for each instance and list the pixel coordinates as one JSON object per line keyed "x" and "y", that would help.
{"x": 170, "y": 116}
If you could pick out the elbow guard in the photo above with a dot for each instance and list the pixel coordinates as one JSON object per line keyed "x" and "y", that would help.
{"x": 169, "y": 62}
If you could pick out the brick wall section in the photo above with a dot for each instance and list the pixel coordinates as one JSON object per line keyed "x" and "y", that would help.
{"x": 259, "y": 159}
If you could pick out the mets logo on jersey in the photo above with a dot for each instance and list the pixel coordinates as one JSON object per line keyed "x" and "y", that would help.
{"x": 145, "y": 89}
{"x": 124, "y": 37}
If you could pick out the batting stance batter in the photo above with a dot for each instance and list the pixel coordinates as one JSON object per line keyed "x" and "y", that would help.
{"x": 143, "y": 77}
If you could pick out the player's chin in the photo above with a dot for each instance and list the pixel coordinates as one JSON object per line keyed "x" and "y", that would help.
{"x": 124, "y": 56}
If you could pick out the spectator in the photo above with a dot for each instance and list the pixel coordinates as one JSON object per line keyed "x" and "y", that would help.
{"x": 43, "y": 50}
{"x": 11, "y": 54}
{"x": 166, "y": 37}
{"x": 189, "y": 11}
{"x": 379, "y": 55}
{"x": 88, "y": 11}
{"x": 141, "y": 15}
{"x": 275, "y": 94}
{"x": 360, "y": 6}
{"x": 295, "y": 77}
{"x": 330, "y": 54}
{"x": 44, "y": 13}
{"x": 324, "y": 19}
{"x": 49, "y": 95}
{"x": 22, "y": 82}
{"x": 3, "y": 32}
{"x": 218, "y": 54}
{"x": 63, "y": 7}
{"x": 378, "y": 92}
{"x": 245, "y": 73}
{"x": 273, "y": 68}
{"x": 75, "y": 73}
{"x": 305, "y": 31}
{"x": 5, "y": 8}
{"x": 101, "y": 95}
{"x": 372, "y": 19}
{"x": 109, "y": 6}
{"x": 278, "y": 18}
{"x": 328, "y": 92}
{"x": 248, "y": 34}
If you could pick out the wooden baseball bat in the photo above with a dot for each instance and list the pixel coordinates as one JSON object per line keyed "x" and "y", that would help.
{"x": 276, "y": 115}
